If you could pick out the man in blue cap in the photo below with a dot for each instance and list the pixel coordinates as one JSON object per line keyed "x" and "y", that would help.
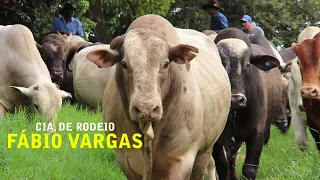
{"x": 218, "y": 20}
{"x": 248, "y": 27}
{"x": 67, "y": 24}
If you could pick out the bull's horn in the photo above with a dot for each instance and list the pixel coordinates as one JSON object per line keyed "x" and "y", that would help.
{"x": 287, "y": 65}
{"x": 39, "y": 46}
{"x": 59, "y": 33}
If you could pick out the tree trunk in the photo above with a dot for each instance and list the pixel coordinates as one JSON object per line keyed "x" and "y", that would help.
{"x": 101, "y": 31}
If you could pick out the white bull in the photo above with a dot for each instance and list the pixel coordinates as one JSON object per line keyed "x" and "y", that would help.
{"x": 25, "y": 80}
{"x": 89, "y": 81}
{"x": 177, "y": 99}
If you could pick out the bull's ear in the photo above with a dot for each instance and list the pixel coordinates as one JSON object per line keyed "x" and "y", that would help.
{"x": 103, "y": 58}
{"x": 22, "y": 90}
{"x": 65, "y": 95}
{"x": 182, "y": 53}
{"x": 294, "y": 47}
{"x": 262, "y": 58}
{"x": 265, "y": 62}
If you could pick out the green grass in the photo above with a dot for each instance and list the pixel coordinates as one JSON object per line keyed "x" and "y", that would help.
{"x": 281, "y": 159}
{"x": 61, "y": 163}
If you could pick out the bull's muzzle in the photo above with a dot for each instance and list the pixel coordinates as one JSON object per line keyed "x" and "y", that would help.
{"x": 238, "y": 101}
{"x": 56, "y": 76}
{"x": 309, "y": 91}
{"x": 146, "y": 112}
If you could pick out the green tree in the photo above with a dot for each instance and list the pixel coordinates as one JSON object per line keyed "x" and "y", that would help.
{"x": 114, "y": 16}
{"x": 38, "y": 15}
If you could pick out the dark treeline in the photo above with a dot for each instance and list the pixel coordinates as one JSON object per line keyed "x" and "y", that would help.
{"x": 102, "y": 20}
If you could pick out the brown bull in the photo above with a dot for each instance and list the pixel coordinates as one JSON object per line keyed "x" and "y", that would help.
{"x": 57, "y": 52}
{"x": 308, "y": 53}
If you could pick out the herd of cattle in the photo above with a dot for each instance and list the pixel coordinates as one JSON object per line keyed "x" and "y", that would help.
{"x": 195, "y": 96}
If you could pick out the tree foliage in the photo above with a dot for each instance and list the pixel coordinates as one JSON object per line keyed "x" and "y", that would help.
{"x": 102, "y": 20}
{"x": 38, "y": 15}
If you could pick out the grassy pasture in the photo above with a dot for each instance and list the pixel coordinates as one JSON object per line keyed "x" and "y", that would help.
{"x": 281, "y": 159}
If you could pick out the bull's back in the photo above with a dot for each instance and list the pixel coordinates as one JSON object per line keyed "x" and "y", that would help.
{"x": 88, "y": 79}
{"x": 21, "y": 63}
{"x": 308, "y": 33}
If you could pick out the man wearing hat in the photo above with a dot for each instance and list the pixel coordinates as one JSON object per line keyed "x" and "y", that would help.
{"x": 218, "y": 20}
{"x": 248, "y": 27}
{"x": 67, "y": 24}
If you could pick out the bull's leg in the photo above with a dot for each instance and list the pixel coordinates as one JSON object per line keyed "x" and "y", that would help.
{"x": 232, "y": 155}
{"x": 315, "y": 132}
{"x": 254, "y": 148}
{"x": 200, "y": 165}
{"x": 267, "y": 136}
{"x": 299, "y": 129}
{"x": 2, "y": 111}
{"x": 211, "y": 169}
{"x": 221, "y": 161}
{"x": 127, "y": 169}
{"x": 180, "y": 167}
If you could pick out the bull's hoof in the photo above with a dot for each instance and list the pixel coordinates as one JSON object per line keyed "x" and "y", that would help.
{"x": 249, "y": 172}
{"x": 303, "y": 146}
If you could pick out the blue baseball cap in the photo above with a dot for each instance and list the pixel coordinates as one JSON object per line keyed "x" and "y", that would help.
{"x": 246, "y": 18}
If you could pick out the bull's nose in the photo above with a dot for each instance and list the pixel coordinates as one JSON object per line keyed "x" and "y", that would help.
{"x": 309, "y": 92}
{"x": 238, "y": 101}
{"x": 56, "y": 76}
{"x": 146, "y": 112}
{"x": 60, "y": 74}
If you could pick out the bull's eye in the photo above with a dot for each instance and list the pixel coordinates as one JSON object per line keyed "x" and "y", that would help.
{"x": 123, "y": 65}
{"x": 166, "y": 65}
{"x": 248, "y": 65}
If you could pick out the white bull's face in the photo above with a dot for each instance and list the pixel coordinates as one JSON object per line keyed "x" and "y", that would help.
{"x": 44, "y": 98}
{"x": 144, "y": 58}
{"x": 145, "y": 67}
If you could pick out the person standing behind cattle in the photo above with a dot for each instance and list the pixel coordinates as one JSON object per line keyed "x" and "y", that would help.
{"x": 66, "y": 24}
{"x": 248, "y": 27}
{"x": 218, "y": 20}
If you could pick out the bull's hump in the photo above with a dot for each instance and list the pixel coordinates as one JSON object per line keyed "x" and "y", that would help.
{"x": 237, "y": 46}
{"x": 156, "y": 23}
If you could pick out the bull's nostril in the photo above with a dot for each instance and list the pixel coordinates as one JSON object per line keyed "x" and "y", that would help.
{"x": 136, "y": 110}
{"x": 314, "y": 91}
{"x": 241, "y": 100}
{"x": 156, "y": 109}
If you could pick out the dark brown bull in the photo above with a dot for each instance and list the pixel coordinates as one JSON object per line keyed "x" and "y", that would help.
{"x": 281, "y": 121}
{"x": 57, "y": 54}
{"x": 256, "y": 100}
{"x": 308, "y": 52}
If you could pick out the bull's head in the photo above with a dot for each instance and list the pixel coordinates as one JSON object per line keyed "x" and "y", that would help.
{"x": 44, "y": 98}
{"x": 308, "y": 54}
{"x": 237, "y": 59}
{"x": 143, "y": 68}
{"x": 54, "y": 54}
